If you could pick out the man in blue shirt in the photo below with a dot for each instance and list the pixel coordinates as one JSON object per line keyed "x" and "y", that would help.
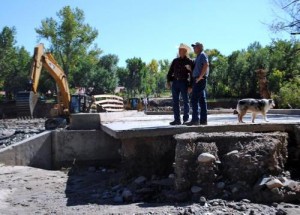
{"x": 200, "y": 73}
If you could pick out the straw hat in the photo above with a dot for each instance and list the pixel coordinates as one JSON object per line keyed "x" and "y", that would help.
{"x": 184, "y": 46}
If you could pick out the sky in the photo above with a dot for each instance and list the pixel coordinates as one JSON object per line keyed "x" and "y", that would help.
{"x": 152, "y": 29}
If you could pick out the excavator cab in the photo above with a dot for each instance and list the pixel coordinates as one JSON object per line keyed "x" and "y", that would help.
{"x": 80, "y": 103}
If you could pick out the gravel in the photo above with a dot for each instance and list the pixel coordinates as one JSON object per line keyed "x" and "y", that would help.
{"x": 16, "y": 130}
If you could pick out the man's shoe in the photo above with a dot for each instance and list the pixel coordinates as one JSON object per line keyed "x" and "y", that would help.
{"x": 185, "y": 121}
{"x": 203, "y": 123}
{"x": 191, "y": 123}
{"x": 175, "y": 123}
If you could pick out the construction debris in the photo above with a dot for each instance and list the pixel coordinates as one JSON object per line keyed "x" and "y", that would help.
{"x": 16, "y": 130}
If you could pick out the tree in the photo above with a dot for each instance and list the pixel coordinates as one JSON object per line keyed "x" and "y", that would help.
{"x": 102, "y": 81}
{"x": 136, "y": 68}
{"x": 218, "y": 78}
{"x": 104, "y": 77}
{"x": 14, "y": 63}
{"x": 123, "y": 76}
{"x": 70, "y": 38}
{"x": 289, "y": 94}
{"x": 291, "y": 23}
{"x": 7, "y": 52}
{"x": 153, "y": 66}
{"x": 17, "y": 79}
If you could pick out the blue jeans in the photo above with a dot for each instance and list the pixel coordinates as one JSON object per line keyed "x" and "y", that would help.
{"x": 199, "y": 98}
{"x": 180, "y": 87}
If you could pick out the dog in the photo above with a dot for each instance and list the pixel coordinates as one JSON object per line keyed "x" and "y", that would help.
{"x": 255, "y": 106}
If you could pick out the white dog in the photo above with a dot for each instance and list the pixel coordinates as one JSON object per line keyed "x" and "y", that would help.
{"x": 255, "y": 106}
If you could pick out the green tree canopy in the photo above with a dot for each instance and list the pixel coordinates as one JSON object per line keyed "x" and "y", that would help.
{"x": 69, "y": 36}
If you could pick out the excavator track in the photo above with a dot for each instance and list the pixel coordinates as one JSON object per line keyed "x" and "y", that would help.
{"x": 22, "y": 104}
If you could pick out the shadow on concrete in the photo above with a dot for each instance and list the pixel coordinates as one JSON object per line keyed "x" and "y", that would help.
{"x": 87, "y": 185}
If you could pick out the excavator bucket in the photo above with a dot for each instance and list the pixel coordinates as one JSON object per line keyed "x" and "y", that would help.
{"x": 33, "y": 99}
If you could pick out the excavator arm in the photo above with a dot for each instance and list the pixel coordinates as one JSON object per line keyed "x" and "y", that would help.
{"x": 46, "y": 60}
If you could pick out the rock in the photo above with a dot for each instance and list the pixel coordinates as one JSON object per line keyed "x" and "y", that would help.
{"x": 264, "y": 181}
{"x": 202, "y": 200}
{"x": 243, "y": 208}
{"x": 5, "y": 133}
{"x": 246, "y": 200}
{"x": 206, "y": 157}
{"x": 215, "y": 204}
{"x": 274, "y": 183}
{"x": 232, "y": 152}
{"x": 294, "y": 185}
{"x": 127, "y": 195}
{"x": 275, "y": 204}
{"x": 221, "y": 185}
{"x": 236, "y": 207}
{"x": 281, "y": 212}
{"x": 196, "y": 189}
{"x": 252, "y": 212}
{"x": 118, "y": 199}
{"x": 140, "y": 180}
{"x": 288, "y": 206}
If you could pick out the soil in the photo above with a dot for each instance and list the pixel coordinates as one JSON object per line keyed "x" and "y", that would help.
{"x": 26, "y": 190}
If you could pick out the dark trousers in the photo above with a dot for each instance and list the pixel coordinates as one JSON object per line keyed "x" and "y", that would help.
{"x": 199, "y": 99}
{"x": 180, "y": 87}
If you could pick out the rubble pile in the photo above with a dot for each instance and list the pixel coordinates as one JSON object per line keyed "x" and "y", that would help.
{"x": 250, "y": 167}
{"x": 16, "y": 130}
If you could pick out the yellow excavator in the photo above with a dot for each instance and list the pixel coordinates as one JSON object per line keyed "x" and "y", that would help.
{"x": 66, "y": 103}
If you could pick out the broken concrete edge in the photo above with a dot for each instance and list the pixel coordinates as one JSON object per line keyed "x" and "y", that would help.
{"x": 170, "y": 131}
{"x": 90, "y": 121}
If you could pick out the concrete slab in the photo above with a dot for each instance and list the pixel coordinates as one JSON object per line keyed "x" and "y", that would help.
{"x": 141, "y": 125}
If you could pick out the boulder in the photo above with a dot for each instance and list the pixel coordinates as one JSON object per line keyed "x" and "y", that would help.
{"x": 206, "y": 157}
{"x": 274, "y": 183}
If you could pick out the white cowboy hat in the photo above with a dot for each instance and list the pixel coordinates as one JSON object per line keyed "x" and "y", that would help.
{"x": 184, "y": 46}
